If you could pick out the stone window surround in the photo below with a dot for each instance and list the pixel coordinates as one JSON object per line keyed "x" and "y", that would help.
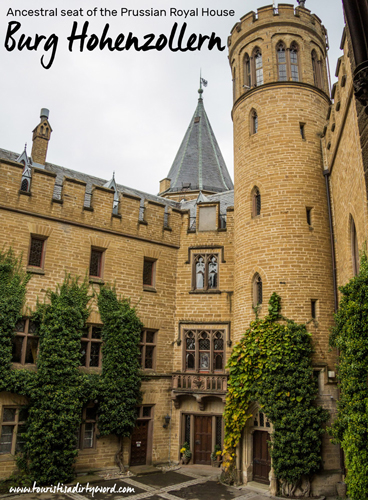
{"x": 198, "y": 325}
{"x": 143, "y": 344}
{"x": 15, "y": 424}
{"x": 152, "y": 285}
{"x": 34, "y": 267}
{"x": 197, "y": 351}
{"x": 82, "y": 429}
{"x": 207, "y": 256}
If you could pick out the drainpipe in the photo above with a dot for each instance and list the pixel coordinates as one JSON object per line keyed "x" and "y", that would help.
{"x": 326, "y": 173}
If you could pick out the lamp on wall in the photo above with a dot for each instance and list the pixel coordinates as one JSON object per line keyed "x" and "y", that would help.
{"x": 167, "y": 421}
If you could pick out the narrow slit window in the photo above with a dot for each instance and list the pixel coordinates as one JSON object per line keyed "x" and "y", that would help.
{"x": 95, "y": 265}
{"x": 313, "y": 309}
{"x": 257, "y": 290}
{"x": 149, "y": 267}
{"x": 302, "y": 130}
{"x": 309, "y": 216}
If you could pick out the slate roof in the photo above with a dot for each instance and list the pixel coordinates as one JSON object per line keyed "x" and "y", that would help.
{"x": 199, "y": 161}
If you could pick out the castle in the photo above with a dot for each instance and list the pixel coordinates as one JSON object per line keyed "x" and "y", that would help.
{"x": 201, "y": 254}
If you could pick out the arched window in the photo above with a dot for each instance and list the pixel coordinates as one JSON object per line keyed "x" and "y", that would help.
{"x": 258, "y": 66}
{"x": 256, "y": 202}
{"x": 354, "y": 247}
{"x": 253, "y": 122}
{"x": 247, "y": 72}
{"x": 294, "y": 65}
{"x": 317, "y": 70}
{"x": 25, "y": 185}
{"x": 234, "y": 84}
{"x": 257, "y": 290}
{"x": 281, "y": 62}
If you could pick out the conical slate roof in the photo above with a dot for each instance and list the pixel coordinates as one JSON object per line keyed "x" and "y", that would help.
{"x": 199, "y": 162}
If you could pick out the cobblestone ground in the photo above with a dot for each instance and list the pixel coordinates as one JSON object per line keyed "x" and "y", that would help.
{"x": 172, "y": 485}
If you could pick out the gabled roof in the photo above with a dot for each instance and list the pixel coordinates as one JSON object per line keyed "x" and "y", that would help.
{"x": 199, "y": 164}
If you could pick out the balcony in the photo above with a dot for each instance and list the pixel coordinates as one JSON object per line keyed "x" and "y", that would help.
{"x": 198, "y": 385}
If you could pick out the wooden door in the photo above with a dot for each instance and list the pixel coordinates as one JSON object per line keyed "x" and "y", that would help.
{"x": 138, "y": 454}
{"x": 261, "y": 457}
{"x": 202, "y": 440}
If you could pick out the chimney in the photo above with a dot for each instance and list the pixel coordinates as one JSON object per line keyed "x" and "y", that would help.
{"x": 41, "y": 137}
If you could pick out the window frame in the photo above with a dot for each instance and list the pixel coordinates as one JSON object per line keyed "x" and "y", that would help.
{"x": 294, "y": 47}
{"x": 197, "y": 332}
{"x": 16, "y": 424}
{"x": 206, "y": 274}
{"x": 280, "y": 45}
{"x": 25, "y": 335}
{"x": 254, "y": 122}
{"x": 37, "y": 237}
{"x": 247, "y": 72}
{"x": 257, "y": 285}
{"x": 89, "y": 340}
{"x": 152, "y": 284}
{"x": 257, "y": 52}
{"x": 354, "y": 247}
{"x": 256, "y": 202}
{"x": 143, "y": 348}
{"x": 101, "y": 264}
{"x": 82, "y": 430}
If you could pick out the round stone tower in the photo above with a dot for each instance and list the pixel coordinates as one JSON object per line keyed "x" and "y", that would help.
{"x": 282, "y": 235}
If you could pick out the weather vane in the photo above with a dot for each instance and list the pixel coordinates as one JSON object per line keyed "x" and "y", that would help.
{"x": 301, "y": 3}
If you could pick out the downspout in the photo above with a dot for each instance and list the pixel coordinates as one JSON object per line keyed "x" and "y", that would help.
{"x": 326, "y": 173}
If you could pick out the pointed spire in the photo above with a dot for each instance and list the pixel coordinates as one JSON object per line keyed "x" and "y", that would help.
{"x": 199, "y": 164}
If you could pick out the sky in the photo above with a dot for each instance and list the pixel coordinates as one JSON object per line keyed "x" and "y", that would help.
{"x": 124, "y": 112}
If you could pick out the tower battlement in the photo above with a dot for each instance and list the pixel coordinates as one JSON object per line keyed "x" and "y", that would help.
{"x": 284, "y": 13}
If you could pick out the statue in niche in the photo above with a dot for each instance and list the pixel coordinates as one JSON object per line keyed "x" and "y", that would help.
{"x": 200, "y": 269}
{"x": 212, "y": 272}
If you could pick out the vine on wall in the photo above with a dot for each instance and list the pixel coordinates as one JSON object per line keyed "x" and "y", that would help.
{"x": 58, "y": 390}
{"x": 350, "y": 336}
{"x": 121, "y": 375}
{"x": 272, "y": 365}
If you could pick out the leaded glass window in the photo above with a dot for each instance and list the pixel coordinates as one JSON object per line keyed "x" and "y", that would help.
{"x": 25, "y": 342}
{"x": 247, "y": 72}
{"x": 95, "y": 266}
{"x": 148, "y": 349}
{"x": 256, "y": 202}
{"x": 36, "y": 252}
{"x": 294, "y": 66}
{"x": 204, "y": 350}
{"x": 260, "y": 420}
{"x": 258, "y": 66}
{"x": 218, "y": 438}
{"x": 281, "y": 62}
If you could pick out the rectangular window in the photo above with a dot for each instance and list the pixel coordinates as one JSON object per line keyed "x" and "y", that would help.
{"x": 86, "y": 436}
{"x": 147, "y": 358}
{"x": 36, "y": 251}
{"x": 302, "y": 130}
{"x": 91, "y": 347}
{"x": 313, "y": 309}
{"x": 149, "y": 271}
{"x": 25, "y": 342}
{"x": 95, "y": 265}
{"x": 12, "y": 426}
{"x": 205, "y": 272}
{"x": 204, "y": 350}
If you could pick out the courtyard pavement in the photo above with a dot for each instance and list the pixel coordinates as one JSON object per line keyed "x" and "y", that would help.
{"x": 187, "y": 483}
